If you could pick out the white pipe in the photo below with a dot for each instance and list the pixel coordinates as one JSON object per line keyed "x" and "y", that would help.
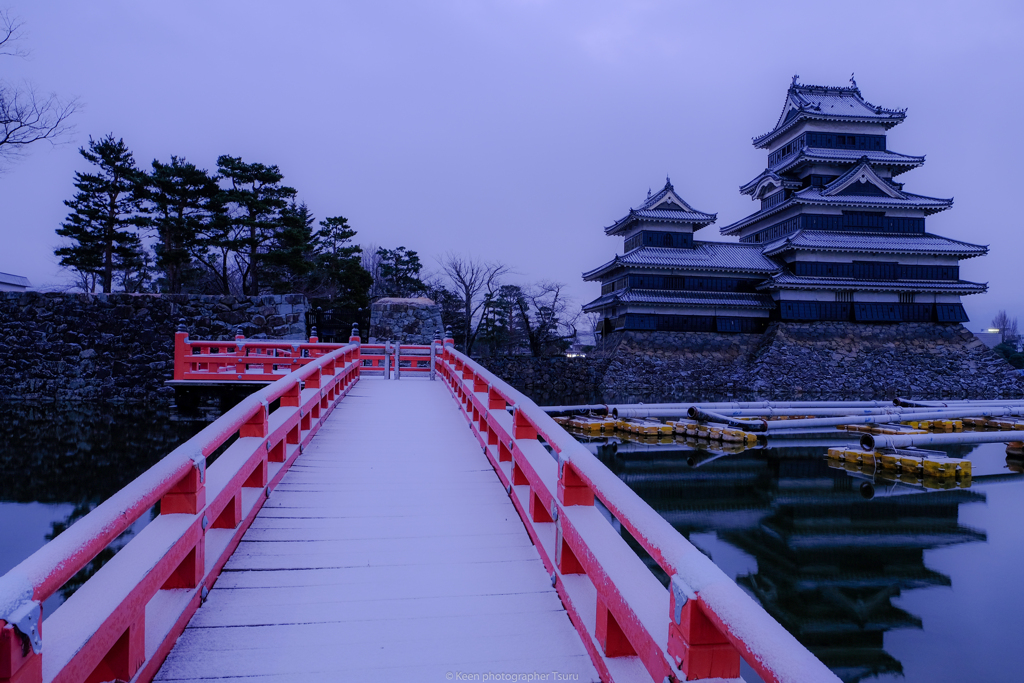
{"x": 772, "y": 412}
{"x": 957, "y": 404}
{"x": 870, "y": 442}
{"x": 896, "y": 416}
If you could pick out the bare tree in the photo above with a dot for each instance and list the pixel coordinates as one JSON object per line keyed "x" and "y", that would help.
{"x": 546, "y": 319}
{"x": 25, "y": 116}
{"x": 1006, "y": 325}
{"x": 370, "y": 260}
{"x": 473, "y": 281}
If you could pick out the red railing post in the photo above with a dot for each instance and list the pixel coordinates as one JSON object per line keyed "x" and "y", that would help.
{"x": 188, "y": 496}
{"x": 613, "y": 641}
{"x": 127, "y": 655}
{"x": 19, "y": 662}
{"x": 181, "y": 349}
{"x": 696, "y": 645}
{"x": 256, "y": 425}
{"x": 572, "y": 490}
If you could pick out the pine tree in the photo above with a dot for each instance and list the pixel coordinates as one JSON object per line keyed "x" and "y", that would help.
{"x": 256, "y": 199}
{"x": 103, "y": 212}
{"x": 182, "y": 208}
{"x": 399, "y": 273}
{"x": 340, "y": 271}
{"x": 291, "y": 258}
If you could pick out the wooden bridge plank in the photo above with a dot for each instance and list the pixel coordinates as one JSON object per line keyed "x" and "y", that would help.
{"x": 390, "y": 551}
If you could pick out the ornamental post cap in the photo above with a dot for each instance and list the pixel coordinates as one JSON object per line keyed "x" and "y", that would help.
{"x": 448, "y": 331}
{"x": 355, "y": 328}
{"x": 312, "y": 332}
{"x": 181, "y": 325}
{"x": 239, "y": 332}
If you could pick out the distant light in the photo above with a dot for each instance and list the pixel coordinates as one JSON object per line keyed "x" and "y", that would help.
{"x": 992, "y": 329}
{"x": 575, "y": 355}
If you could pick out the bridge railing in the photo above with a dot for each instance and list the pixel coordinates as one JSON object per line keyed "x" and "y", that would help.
{"x": 122, "y": 622}
{"x": 697, "y": 628}
{"x": 242, "y": 359}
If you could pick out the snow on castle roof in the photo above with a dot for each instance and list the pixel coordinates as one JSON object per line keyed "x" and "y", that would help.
{"x": 821, "y": 102}
{"x": 664, "y": 206}
{"x": 661, "y": 297}
{"x": 873, "y": 242}
{"x": 705, "y": 256}
{"x": 786, "y": 280}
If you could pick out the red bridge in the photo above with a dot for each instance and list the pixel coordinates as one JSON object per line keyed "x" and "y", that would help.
{"x": 352, "y": 528}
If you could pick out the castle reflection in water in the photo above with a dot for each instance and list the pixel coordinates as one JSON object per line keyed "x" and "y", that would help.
{"x": 833, "y": 549}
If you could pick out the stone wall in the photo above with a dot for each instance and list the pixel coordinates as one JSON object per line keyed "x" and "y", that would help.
{"x": 409, "y": 321}
{"x": 552, "y": 381}
{"x": 812, "y": 360}
{"x": 121, "y": 346}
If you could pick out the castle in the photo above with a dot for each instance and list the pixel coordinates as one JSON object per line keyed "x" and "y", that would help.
{"x": 836, "y": 237}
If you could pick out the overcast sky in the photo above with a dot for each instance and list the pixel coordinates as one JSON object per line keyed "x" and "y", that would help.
{"x": 516, "y": 130}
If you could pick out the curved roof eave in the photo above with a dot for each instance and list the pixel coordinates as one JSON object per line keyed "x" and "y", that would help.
{"x": 762, "y": 141}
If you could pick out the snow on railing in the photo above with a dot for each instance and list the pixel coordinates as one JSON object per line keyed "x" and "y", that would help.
{"x": 249, "y": 360}
{"x": 244, "y": 359}
{"x": 697, "y": 628}
{"x": 122, "y": 622}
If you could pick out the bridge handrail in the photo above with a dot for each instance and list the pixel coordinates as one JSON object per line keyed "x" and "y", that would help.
{"x": 704, "y": 608}
{"x": 39, "y": 576}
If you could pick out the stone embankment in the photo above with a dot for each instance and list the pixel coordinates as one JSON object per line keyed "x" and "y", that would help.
{"x": 406, "y": 321}
{"x": 121, "y": 346}
{"x": 552, "y": 381}
{"x": 810, "y": 360}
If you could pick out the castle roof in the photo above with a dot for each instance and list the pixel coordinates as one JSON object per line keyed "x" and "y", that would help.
{"x": 664, "y": 206}
{"x": 786, "y": 280}
{"x": 705, "y": 256}
{"x": 872, "y": 243}
{"x": 661, "y": 297}
{"x": 858, "y": 188}
{"x": 828, "y": 103}
{"x": 896, "y": 162}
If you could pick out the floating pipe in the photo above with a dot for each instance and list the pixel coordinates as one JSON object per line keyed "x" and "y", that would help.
{"x": 770, "y": 412}
{"x": 558, "y": 411}
{"x": 696, "y": 413}
{"x": 764, "y": 404}
{"x": 955, "y": 403}
{"x": 893, "y": 417}
{"x": 871, "y": 442}
{"x": 605, "y": 408}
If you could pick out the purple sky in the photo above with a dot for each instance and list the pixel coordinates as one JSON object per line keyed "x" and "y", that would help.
{"x": 517, "y": 130}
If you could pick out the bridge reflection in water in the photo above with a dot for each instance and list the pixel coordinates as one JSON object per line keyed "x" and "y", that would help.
{"x": 832, "y": 551}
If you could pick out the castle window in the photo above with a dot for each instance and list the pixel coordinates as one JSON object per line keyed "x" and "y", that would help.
{"x": 906, "y": 297}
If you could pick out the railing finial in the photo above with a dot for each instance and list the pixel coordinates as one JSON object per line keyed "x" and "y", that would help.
{"x": 448, "y": 331}
{"x": 239, "y": 334}
{"x": 182, "y": 327}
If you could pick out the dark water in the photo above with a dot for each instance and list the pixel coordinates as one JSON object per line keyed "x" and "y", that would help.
{"x": 908, "y": 584}
{"x": 58, "y": 462}
{"x": 882, "y": 580}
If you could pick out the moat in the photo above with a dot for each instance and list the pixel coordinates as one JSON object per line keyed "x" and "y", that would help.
{"x": 882, "y": 583}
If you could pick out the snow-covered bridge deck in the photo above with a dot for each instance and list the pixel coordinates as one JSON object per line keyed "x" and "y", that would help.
{"x": 389, "y": 551}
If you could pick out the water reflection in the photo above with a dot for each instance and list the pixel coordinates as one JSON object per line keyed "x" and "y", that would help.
{"x": 72, "y": 457}
{"x": 831, "y": 550}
